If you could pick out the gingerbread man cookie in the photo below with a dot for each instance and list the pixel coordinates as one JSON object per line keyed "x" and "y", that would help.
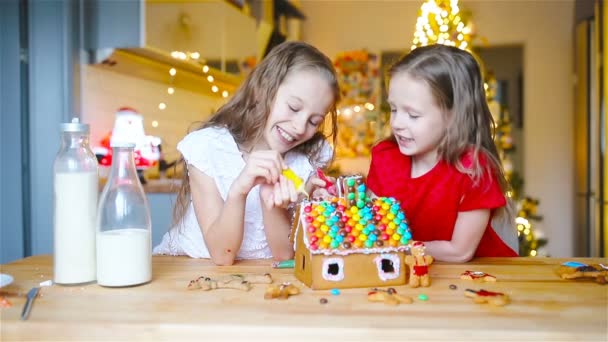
{"x": 483, "y": 296}
{"x": 233, "y": 281}
{"x": 389, "y": 297}
{"x": 282, "y": 291}
{"x": 575, "y": 270}
{"x": 478, "y": 276}
{"x": 419, "y": 265}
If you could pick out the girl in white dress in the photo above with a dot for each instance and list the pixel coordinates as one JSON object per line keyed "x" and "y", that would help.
{"x": 233, "y": 200}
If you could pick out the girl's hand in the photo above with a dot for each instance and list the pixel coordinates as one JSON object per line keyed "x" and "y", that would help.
{"x": 263, "y": 167}
{"x": 278, "y": 195}
{"x": 318, "y": 187}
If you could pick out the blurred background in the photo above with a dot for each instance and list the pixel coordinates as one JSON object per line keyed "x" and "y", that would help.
{"x": 153, "y": 70}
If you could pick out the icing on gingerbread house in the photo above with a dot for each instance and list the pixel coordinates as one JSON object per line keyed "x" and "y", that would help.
{"x": 352, "y": 240}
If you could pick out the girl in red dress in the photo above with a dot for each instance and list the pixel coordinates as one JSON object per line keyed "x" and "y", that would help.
{"x": 441, "y": 162}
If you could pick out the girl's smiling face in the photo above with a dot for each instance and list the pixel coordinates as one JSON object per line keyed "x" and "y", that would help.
{"x": 417, "y": 122}
{"x": 300, "y": 106}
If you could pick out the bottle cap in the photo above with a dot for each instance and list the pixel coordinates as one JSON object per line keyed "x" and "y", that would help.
{"x": 74, "y": 126}
{"x": 122, "y": 144}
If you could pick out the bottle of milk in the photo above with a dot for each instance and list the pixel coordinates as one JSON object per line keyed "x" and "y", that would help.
{"x": 124, "y": 241}
{"x": 75, "y": 187}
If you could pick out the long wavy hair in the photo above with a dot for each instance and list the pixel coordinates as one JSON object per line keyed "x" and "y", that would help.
{"x": 454, "y": 77}
{"x": 245, "y": 115}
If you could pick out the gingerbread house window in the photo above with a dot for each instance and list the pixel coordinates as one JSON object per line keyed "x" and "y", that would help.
{"x": 389, "y": 266}
{"x": 333, "y": 269}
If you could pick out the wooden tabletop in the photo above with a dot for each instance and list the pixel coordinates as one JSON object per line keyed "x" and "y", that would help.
{"x": 543, "y": 306}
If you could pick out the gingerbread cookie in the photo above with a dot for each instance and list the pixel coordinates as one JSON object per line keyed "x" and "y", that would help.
{"x": 483, "y": 296}
{"x": 233, "y": 281}
{"x": 282, "y": 291}
{"x": 576, "y": 270}
{"x": 478, "y": 276}
{"x": 419, "y": 265}
{"x": 388, "y": 297}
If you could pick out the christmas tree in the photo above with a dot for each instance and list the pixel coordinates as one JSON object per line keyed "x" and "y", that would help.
{"x": 529, "y": 240}
{"x": 443, "y": 22}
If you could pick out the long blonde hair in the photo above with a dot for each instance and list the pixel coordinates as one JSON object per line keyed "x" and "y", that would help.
{"x": 455, "y": 81}
{"x": 246, "y": 113}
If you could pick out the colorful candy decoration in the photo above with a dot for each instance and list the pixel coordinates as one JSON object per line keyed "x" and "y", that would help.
{"x": 355, "y": 221}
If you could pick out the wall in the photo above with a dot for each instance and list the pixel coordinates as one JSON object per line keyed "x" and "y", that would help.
{"x": 545, "y": 29}
{"x": 106, "y": 91}
{"x": 11, "y": 171}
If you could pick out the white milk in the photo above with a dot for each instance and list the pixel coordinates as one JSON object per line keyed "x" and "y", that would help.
{"x": 75, "y": 227}
{"x": 124, "y": 257}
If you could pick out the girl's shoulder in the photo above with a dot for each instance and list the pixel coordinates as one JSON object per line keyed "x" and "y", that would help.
{"x": 221, "y": 135}
{"x": 209, "y": 146}
{"x": 385, "y": 146}
{"x": 468, "y": 158}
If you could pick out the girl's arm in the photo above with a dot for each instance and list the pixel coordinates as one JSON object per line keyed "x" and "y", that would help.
{"x": 221, "y": 222}
{"x": 468, "y": 230}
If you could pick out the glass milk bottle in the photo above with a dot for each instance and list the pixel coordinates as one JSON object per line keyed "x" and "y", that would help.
{"x": 124, "y": 241}
{"x": 75, "y": 188}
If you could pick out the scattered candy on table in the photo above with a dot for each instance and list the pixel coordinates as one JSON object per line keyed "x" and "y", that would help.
{"x": 335, "y": 292}
{"x": 423, "y": 297}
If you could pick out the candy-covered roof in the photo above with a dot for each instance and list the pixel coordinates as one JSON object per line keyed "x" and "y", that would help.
{"x": 354, "y": 222}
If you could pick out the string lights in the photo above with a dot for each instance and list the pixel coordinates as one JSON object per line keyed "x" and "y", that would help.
{"x": 442, "y": 22}
{"x": 205, "y": 69}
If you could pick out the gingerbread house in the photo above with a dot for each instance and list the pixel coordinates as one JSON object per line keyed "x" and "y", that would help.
{"x": 352, "y": 240}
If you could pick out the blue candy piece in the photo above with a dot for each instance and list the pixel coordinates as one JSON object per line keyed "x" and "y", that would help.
{"x": 401, "y": 216}
{"x": 335, "y": 292}
{"x": 574, "y": 264}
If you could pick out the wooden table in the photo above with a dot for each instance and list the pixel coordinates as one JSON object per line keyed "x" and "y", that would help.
{"x": 544, "y": 307}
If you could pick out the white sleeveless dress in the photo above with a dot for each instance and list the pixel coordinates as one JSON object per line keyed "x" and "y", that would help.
{"x": 214, "y": 152}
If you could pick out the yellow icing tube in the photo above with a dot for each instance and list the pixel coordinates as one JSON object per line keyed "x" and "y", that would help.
{"x": 297, "y": 181}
